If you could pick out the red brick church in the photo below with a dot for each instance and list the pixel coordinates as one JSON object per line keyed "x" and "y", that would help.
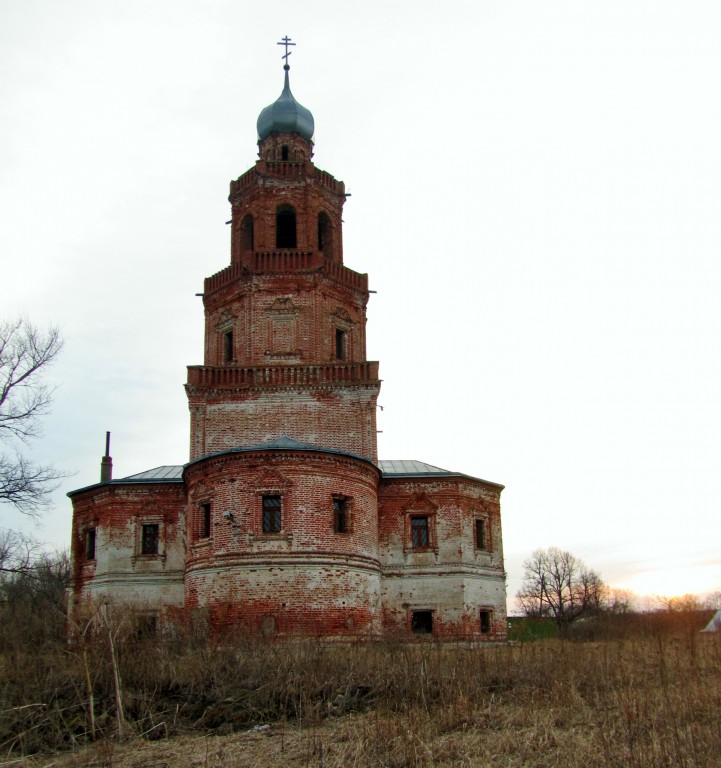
{"x": 284, "y": 522}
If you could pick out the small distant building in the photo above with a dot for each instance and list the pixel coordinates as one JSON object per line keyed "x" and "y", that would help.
{"x": 715, "y": 624}
{"x": 284, "y": 522}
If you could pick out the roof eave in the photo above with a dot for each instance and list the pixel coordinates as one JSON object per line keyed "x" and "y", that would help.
{"x": 440, "y": 476}
{"x": 126, "y": 481}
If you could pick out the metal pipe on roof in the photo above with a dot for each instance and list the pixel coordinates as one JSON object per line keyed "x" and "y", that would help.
{"x": 106, "y": 463}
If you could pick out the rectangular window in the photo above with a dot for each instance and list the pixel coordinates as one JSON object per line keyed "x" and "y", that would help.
{"x": 271, "y": 514}
{"x": 480, "y": 534}
{"x": 228, "y": 347}
{"x": 419, "y": 532}
{"x": 90, "y": 544}
{"x": 422, "y": 622}
{"x": 205, "y": 518}
{"x": 150, "y": 539}
{"x": 485, "y": 622}
{"x": 341, "y": 522}
{"x": 146, "y": 626}
{"x": 340, "y": 344}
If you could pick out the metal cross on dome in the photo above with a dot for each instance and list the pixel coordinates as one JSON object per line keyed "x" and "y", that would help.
{"x": 286, "y": 42}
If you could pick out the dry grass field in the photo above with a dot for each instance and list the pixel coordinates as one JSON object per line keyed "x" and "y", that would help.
{"x": 638, "y": 701}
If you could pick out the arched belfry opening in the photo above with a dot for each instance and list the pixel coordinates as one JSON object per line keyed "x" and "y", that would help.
{"x": 285, "y": 229}
{"x": 325, "y": 234}
{"x": 246, "y": 233}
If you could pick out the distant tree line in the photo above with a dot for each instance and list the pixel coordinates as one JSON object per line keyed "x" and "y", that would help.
{"x": 559, "y": 586}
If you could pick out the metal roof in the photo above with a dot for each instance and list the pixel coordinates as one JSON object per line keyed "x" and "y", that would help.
{"x": 168, "y": 472}
{"x": 410, "y": 467}
{"x": 284, "y": 443}
{"x": 287, "y": 115}
{"x": 173, "y": 473}
{"x": 389, "y": 468}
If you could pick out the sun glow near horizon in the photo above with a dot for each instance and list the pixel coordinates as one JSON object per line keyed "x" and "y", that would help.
{"x": 673, "y": 581}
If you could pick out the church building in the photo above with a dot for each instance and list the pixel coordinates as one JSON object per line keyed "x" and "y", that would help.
{"x": 284, "y": 522}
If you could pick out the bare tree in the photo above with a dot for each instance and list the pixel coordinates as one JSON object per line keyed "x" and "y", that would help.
{"x": 620, "y": 601}
{"x": 559, "y": 585}
{"x": 679, "y": 603}
{"x": 32, "y": 593}
{"x": 17, "y": 551}
{"x": 24, "y": 398}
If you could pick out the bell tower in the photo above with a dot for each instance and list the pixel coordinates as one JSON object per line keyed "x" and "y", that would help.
{"x": 283, "y": 522}
{"x": 285, "y": 341}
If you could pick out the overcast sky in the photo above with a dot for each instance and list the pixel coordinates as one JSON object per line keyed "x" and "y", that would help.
{"x": 536, "y": 189}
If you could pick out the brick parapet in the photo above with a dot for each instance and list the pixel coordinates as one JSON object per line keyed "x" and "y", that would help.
{"x": 267, "y": 376}
{"x": 284, "y": 262}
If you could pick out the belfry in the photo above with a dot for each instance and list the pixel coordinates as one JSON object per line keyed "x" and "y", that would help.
{"x": 284, "y": 522}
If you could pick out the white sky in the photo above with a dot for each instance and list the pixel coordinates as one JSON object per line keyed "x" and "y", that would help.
{"x": 536, "y": 190}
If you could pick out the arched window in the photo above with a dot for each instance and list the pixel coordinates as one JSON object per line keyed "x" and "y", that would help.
{"x": 246, "y": 233}
{"x": 285, "y": 227}
{"x": 325, "y": 234}
{"x": 284, "y": 152}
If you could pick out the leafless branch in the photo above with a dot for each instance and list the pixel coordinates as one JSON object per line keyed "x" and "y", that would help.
{"x": 26, "y": 485}
{"x": 24, "y": 352}
{"x": 17, "y": 552}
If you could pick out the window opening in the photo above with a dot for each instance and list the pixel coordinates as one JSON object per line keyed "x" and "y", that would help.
{"x": 150, "y": 539}
{"x": 324, "y": 233}
{"x": 268, "y": 625}
{"x": 228, "y": 347}
{"x": 485, "y": 622}
{"x": 480, "y": 534}
{"x": 90, "y": 544}
{"x": 284, "y": 152}
{"x": 205, "y": 518}
{"x": 146, "y": 627}
{"x": 246, "y": 233}
{"x": 340, "y": 343}
{"x": 271, "y": 514}
{"x": 419, "y": 532}
{"x": 285, "y": 236}
{"x": 340, "y": 515}
{"x": 422, "y": 622}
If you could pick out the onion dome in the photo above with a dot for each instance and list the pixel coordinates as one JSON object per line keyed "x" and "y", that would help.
{"x": 286, "y": 115}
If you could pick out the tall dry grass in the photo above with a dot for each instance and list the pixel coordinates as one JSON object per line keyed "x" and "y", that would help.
{"x": 639, "y": 701}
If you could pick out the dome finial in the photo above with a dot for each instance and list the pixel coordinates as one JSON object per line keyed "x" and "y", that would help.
{"x": 286, "y": 42}
{"x": 286, "y": 115}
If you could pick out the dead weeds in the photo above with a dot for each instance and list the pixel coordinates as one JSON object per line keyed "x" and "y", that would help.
{"x": 639, "y": 703}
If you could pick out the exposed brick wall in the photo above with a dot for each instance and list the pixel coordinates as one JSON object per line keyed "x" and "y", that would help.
{"x": 119, "y": 570}
{"x": 342, "y": 419}
{"x": 454, "y": 576}
{"x": 297, "y": 183}
{"x": 285, "y": 319}
{"x": 307, "y": 577}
